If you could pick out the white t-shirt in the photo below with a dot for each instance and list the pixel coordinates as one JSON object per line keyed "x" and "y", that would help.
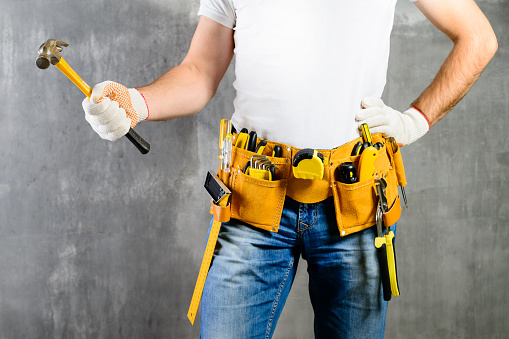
{"x": 302, "y": 67}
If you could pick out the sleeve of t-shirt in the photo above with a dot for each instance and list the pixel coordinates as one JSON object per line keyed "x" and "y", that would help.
{"x": 221, "y": 11}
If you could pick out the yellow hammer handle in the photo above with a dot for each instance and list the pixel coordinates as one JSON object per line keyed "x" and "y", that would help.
{"x": 64, "y": 67}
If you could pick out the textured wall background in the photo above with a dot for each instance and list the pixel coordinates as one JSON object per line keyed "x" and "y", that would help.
{"x": 98, "y": 241}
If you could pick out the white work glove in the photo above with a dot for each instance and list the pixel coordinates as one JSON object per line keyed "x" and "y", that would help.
{"x": 405, "y": 127}
{"x": 113, "y": 109}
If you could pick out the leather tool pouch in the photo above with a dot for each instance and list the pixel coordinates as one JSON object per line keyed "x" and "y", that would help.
{"x": 260, "y": 202}
{"x": 256, "y": 201}
{"x": 356, "y": 204}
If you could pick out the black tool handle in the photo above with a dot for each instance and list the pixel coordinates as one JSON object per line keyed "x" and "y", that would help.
{"x": 251, "y": 143}
{"x": 138, "y": 141}
{"x": 278, "y": 151}
{"x": 384, "y": 272}
{"x": 395, "y": 263}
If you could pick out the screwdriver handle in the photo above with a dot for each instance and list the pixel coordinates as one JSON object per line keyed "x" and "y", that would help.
{"x": 366, "y": 134}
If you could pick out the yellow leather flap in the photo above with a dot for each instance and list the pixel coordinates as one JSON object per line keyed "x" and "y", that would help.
{"x": 391, "y": 217}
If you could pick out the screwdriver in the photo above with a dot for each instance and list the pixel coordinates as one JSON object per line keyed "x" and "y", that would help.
{"x": 366, "y": 134}
{"x": 225, "y": 144}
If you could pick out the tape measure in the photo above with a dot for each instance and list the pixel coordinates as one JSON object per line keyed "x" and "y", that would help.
{"x": 204, "y": 270}
{"x": 308, "y": 164}
{"x": 220, "y": 195}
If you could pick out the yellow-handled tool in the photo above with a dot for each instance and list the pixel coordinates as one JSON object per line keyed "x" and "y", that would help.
{"x": 49, "y": 53}
{"x": 225, "y": 144}
{"x": 385, "y": 245}
{"x": 367, "y": 163}
{"x": 391, "y": 262}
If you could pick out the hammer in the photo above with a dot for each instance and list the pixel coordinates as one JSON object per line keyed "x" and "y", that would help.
{"x": 49, "y": 53}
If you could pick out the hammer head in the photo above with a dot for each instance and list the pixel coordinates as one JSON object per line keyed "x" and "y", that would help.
{"x": 49, "y": 52}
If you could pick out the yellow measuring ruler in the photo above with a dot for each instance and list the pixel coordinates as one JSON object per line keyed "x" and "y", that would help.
{"x": 220, "y": 195}
{"x": 204, "y": 270}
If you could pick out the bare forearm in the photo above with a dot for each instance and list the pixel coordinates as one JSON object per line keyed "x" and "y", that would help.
{"x": 181, "y": 91}
{"x": 475, "y": 44}
{"x": 459, "y": 72}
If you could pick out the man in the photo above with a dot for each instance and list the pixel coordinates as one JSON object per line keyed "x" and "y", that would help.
{"x": 307, "y": 75}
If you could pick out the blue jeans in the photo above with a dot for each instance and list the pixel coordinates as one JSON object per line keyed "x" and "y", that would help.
{"x": 253, "y": 270}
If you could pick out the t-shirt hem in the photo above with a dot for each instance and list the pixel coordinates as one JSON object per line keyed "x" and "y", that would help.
{"x": 218, "y": 17}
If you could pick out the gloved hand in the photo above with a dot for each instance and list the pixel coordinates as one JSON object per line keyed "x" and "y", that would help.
{"x": 405, "y": 127}
{"x": 113, "y": 109}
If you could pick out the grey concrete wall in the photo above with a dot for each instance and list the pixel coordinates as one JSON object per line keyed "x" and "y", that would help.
{"x": 98, "y": 241}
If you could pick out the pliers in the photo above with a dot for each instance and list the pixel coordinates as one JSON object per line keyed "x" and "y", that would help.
{"x": 385, "y": 246}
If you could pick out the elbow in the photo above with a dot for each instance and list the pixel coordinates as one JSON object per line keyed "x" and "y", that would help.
{"x": 487, "y": 43}
{"x": 492, "y": 45}
{"x": 487, "y": 48}
{"x": 482, "y": 46}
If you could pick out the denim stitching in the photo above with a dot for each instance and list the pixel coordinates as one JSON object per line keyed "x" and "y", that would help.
{"x": 312, "y": 224}
{"x": 274, "y": 306}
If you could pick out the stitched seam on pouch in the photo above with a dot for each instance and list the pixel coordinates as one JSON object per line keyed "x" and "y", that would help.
{"x": 279, "y": 207}
{"x": 338, "y": 212}
{"x": 355, "y": 188}
{"x": 260, "y": 184}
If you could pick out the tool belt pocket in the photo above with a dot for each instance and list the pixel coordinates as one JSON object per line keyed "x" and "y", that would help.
{"x": 256, "y": 201}
{"x": 356, "y": 203}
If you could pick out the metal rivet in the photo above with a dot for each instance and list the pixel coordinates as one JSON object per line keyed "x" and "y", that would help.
{"x": 274, "y": 229}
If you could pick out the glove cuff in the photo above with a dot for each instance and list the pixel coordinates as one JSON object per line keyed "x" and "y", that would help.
{"x": 424, "y": 116}
{"x": 419, "y": 122}
{"x": 140, "y": 104}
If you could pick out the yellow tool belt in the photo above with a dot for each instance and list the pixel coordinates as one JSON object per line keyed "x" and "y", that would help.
{"x": 260, "y": 202}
